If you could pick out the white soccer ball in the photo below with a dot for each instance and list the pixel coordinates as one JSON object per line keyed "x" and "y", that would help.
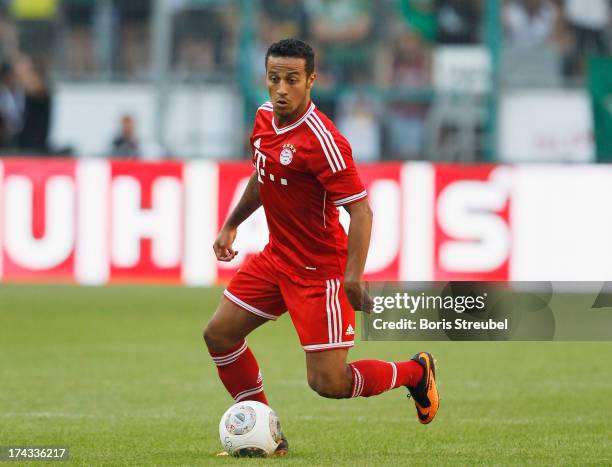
{"x": 249, "y": 429}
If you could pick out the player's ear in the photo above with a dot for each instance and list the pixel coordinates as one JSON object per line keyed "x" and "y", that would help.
{"x": 311, "y": 79}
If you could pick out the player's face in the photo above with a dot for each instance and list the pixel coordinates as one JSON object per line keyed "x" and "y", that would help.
{"x": 288, "y": 85}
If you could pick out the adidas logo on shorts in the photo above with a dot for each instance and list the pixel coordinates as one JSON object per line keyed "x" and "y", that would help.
{"x": 349, "y": 331}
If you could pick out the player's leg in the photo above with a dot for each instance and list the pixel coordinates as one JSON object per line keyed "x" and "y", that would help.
{"x": 236, "y": 365}
{"x": 328, "y": 374}
{"x": 418, "y": 375}
{"x": 325, "y": 322}
{"x": 251, "y": 299}
{"x": 229, "y": 325}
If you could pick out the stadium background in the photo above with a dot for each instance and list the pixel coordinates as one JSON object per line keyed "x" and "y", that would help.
{"x": 482, "y": 130}
{"x": 412, "y": 84}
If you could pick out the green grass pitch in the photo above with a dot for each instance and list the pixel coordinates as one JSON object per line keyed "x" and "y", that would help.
{"x": 120, "y": 375}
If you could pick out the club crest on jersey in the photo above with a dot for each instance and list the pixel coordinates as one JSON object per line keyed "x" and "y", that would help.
{"x": 286, "y": 155}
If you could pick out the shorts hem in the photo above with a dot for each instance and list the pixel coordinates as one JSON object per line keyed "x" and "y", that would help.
{"x": 331, "y": 346}
{"x": 245, "y": 306}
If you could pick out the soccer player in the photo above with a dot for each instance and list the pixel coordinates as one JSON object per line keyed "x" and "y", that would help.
{"x": 304, "y": 172}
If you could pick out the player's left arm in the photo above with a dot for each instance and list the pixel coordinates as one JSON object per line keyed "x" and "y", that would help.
{"x": 360, "y": 230}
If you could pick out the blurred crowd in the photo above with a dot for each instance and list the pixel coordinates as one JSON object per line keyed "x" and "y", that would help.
{"x": 25, "y": 107}
{"x": 373, "y": 44}
{"x": 551, "y": 40}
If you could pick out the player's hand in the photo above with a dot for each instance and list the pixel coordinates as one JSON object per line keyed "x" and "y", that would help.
{"x": 358, "y": 296}
{"x": 223, "y": 244}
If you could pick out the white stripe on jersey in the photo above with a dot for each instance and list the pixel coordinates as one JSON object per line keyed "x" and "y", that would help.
{"x": 331, "y": 139}
{"x": 325, "y": 143}
{"x": 266, "y": 106}
{"x": 285, "y": 129}
{"x": 316, "y": 133}
{"x": 348, "y": 199}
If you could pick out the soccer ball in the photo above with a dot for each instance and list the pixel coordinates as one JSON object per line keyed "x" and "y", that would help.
{"x": 249, "y": 429}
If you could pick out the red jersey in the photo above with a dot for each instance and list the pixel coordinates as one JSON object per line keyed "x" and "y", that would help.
{"x": 306, "y": 171}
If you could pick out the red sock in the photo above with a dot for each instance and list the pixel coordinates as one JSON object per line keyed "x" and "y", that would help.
{"x": 373, "y": 377}
{"x": 240, "y": 374}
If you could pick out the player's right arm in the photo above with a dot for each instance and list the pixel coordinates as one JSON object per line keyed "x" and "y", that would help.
{"x": 248, "y": 204}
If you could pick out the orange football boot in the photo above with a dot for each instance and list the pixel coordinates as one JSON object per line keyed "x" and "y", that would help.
{"x": 425, "y": 394}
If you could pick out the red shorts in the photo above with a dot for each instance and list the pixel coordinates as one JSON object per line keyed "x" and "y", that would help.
{"x": 320, "y": 311}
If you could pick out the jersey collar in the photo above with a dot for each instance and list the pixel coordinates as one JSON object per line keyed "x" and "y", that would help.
{"x": 295, "y": 124}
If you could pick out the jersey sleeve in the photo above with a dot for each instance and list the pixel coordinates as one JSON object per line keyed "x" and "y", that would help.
{"x": 332, "y": 163}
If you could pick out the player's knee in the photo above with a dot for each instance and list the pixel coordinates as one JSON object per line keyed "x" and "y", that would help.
{"x": 215, "y": 340}
{"x": 209, "y": 336}
{"x": 328, "y": 385}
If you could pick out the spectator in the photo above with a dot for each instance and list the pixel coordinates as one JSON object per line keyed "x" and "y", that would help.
{"x": 80, "y": 52}
{"x": 341, "y": 35}
{"x": 126, "y": 144}
{"x": 283, "y": 18}
{"x": 421, "y": 17}
{"x": 358, "y": 120}
{"x": 534, "y": 44}
{"x": 589, "y": 21}
{"x": 458, "y": 21}
{"x": 134, "y": 18}
{"x": 443, "y": 21}
{"x": 406, "y": 64}
{"x": 37, "y": 106}
{"x": 12, "y": 103}
{"x": 9, "y": 43}
{"x": 532, "y": 23}
{"x": 36, "y": 26}
{"x": 202, "y": 38}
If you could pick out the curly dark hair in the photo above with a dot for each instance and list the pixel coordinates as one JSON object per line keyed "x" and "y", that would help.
{"x": 293, "y": 48}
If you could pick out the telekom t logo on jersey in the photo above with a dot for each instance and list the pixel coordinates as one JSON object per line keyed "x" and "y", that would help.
{"x": 261, "y": 159}
{"x": 261, "y": 162}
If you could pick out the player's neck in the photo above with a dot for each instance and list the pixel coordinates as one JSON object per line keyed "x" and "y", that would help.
{"x": 285, "y": 120}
